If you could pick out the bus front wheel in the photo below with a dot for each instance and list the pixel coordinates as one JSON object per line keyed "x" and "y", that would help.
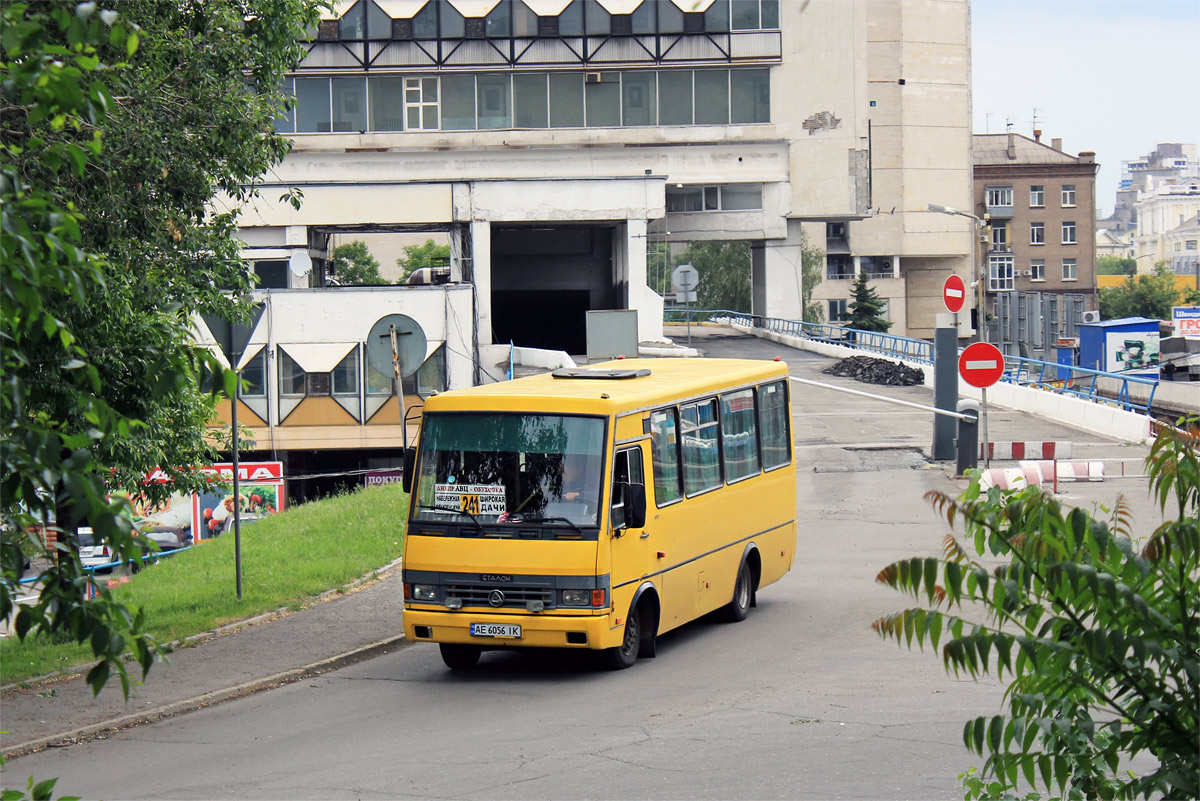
{"x": 625, "y": 654}
{"x": 460, "y": 657}
{"x": 743, "y": 589}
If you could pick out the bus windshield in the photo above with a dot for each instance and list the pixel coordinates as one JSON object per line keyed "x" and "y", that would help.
{"x": 491, "y": 467}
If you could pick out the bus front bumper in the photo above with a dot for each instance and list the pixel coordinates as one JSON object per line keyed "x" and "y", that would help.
{"x": 537, "y": 631}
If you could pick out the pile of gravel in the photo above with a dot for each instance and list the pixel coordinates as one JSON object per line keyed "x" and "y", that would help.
{"x": 877, "y": 371}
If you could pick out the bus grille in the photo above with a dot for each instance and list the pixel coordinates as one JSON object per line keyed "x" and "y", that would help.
{"x": 515, "y": 596}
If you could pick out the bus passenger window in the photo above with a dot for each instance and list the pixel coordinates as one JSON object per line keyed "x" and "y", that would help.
{"x": 701, "y": 453}
{"x": 627, "y": 469}
{"x": 664, "y": 450}
{"x": 773, "y": 420}
{"x": 739, "y": 435}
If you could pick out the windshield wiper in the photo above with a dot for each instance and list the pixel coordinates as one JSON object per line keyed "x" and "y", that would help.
{"x": 452, "y": 510}
{"x": 553, "y": 519}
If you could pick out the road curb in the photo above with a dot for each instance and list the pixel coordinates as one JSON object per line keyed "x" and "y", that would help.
{"x": 100, "y": 730}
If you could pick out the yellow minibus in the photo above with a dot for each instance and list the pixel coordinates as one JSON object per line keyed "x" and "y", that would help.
{"x": 597, "y": 507}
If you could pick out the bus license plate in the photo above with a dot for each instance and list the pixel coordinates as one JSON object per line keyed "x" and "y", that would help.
{"x": 506, "y": 630}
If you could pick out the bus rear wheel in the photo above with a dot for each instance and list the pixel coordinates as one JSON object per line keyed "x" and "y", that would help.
{"x": 460, "y": 657}
{"x": 737, "y": 609}
{"x": 625, "y": 654}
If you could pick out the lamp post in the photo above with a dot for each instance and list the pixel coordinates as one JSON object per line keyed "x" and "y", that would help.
{"x": 981, "y": 233}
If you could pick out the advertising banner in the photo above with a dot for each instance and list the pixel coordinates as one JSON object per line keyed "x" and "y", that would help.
{"x": 209, "y": 514}
{"x": 1134, "y": 352}
{"x": 1187, "y": 320}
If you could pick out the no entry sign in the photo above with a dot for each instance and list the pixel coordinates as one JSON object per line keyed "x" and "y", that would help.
{"x": 981, "y": 364}
{"x": 954, "y": 293}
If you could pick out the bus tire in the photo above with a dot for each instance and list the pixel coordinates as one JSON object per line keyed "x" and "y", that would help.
{"x": 460, "y": 657}
{"x": 625, "y": 654}
{"x": 743, "y": 594}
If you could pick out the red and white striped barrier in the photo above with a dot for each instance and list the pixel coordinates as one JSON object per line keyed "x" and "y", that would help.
{"x": 1038, "y": 473}
{"x": 1016, "y": 451}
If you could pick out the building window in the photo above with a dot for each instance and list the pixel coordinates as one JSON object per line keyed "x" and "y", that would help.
{"x": 999, "y": 196}
{"x": 1037, "y": 233}
{"x": 1068, "y": 233}
{"x": 421, "y": 104}
{"x": 1037, "y": 270}
{"x": 500, "y": 101}
{"x": 1069, "y": 273}
{"x": 1037, "y": 196}
{"x": 1190, "y": 245}
{"x": 1000, "y": 273}
{"x": 838, "y": 311}
{"x": 839, "y": 268}
{"x": 999, "y": 236}
{"x": 730, "y": 197}
{"x": 254, "y": 376}
{"x": 345, "y": 375}
{"x": 752, "y": 15}
{"x": 291, "y": 377}
{"x": 1068, "y": 195}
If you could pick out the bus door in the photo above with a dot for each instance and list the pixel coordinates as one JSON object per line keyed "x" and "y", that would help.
{"x": 633, "y": 554}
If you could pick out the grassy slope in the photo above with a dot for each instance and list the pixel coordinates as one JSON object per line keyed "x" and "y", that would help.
{"x": 287, "y": 559}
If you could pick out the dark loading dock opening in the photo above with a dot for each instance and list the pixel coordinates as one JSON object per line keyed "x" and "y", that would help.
{"x": 544, "y": 281}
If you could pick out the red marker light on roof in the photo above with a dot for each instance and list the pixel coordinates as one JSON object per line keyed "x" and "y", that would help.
{"x": 622, "y": 356}
{"x": 777, "y": 359}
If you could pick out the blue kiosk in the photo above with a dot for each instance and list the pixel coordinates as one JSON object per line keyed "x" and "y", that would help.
{"x": 1129, "y": 345}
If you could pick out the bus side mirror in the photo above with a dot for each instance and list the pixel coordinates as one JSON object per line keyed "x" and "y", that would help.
{"x": 635, "y": 505}
{"x": 410, "y": 459}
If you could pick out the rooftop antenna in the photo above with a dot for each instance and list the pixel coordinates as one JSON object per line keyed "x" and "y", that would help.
{"x": 1036, "y": 120}
{"x": 987, "y": 121}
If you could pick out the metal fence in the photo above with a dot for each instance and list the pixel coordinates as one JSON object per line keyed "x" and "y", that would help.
{"x": 913, "y": 350}
{"x": 1091, "y": 385}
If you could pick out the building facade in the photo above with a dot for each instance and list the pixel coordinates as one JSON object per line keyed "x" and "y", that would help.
{"x": 1039, "y": 203}
{"x": 553, "y": 143}
{"x": 1166, "y": 226}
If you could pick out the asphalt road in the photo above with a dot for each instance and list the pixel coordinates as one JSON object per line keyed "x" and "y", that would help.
{"x": 802, "y": 700}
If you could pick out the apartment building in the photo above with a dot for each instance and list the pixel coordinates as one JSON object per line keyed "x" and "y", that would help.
{"x": 1040, "y": 265}
{"x": 552, "y": 143}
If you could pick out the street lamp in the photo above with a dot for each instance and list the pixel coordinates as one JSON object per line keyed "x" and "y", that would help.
{"x": 981, "y": 228}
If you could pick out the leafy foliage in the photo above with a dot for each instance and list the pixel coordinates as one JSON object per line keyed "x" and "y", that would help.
{"x": 118, "y": 134}
{"x": 427, "y": 254}
{"x": 812, "y": 269}
{"x": 353, "y": 265}
{"x": 1143, "y": 296}
{"x": 1097, "y": 630}
{"x": 866, "y": 307}
{"x": 724, "y": 269}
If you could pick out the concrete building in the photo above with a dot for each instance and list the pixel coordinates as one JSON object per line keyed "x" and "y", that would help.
{"x": 1166, "y": 226}
{"x": 551, "y": 143}
{"x": 1166, "y": 163}
{"x": 1039, "y": 202}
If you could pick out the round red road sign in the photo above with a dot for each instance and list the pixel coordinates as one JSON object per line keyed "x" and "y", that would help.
{"x": 981, "y": 364}
{"x": 954, "y": 293}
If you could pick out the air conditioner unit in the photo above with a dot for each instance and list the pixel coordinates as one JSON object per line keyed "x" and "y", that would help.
{"x": 886, "y": 264}
{"x": 1027, "y": 272}
{"x": 1091, "y": 317}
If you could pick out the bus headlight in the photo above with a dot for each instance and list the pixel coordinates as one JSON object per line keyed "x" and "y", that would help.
{"x": 424, "y": 592}
{"x": 576, "y": 597}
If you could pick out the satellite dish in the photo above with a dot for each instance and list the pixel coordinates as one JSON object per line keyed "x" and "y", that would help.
{"x": 300, "y": 263}
{"x": 410, "y": 344}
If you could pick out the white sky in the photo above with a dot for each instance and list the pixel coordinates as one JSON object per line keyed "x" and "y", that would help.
{"x": 1113, "y": 76}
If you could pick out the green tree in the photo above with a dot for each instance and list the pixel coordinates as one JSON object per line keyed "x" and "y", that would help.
{"x": 724, "y": 269}
{"x": 427, "y": 254}
{"x": 1098, "y": 630}
{"x": 117, "y": 134}
{"x": 658, "y": 268}
{"x": 353, "y": 265}
{"x": 1142, "y": 296}
{"x": 812, "y": 271}
{"x": 1115, "y": 265}
{"x": 866, "y": 307}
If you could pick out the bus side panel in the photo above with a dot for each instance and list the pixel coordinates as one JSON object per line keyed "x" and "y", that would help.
{"x": 704, "y": 538}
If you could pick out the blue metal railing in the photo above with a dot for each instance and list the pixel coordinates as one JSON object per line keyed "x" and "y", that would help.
{"x": 914, "y": 350}
{"x": 1079, "y": 382}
